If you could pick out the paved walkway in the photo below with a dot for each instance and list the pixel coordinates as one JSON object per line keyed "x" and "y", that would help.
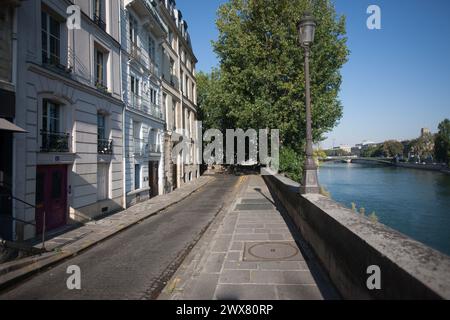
{"x": 249, "y": 253}
{"x": 75, "y": 241}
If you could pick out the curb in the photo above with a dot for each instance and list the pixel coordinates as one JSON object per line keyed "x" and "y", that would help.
{"x": 39, "y": 263}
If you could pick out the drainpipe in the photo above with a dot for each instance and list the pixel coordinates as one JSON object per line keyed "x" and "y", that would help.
{"x": 124, "y": 177}
{"x": 14, "y": 77}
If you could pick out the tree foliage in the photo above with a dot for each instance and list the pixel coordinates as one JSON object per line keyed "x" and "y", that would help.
{"x": 422, "y": 147}
{"x": 392, "y": 148}
{"x": 442, "y": 142}
{"x": 260, "y": 82}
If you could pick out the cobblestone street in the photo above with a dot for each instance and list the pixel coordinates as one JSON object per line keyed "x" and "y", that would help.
{"x": 136, "y": 263}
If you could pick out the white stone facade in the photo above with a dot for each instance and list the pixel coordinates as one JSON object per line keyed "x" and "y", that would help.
{"x": 67, "y": 79}
{"x": 142, "y": 33}
{"x": 179, "y": 98}
{"x": 103, "y": 105}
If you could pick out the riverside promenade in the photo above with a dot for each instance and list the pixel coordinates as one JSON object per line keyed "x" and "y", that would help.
{"x": 250, "y": 252}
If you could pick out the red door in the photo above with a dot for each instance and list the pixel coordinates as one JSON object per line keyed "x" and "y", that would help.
{"x": 51, "y": 197}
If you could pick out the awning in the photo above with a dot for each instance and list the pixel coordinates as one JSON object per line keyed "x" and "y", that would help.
{"x": 9, "y": 126}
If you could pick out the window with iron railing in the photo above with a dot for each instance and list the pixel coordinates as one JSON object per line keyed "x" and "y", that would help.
{"x": 135, "y": 98}
{"x": 100, "y": 70}
{"x": 139, "y": 146}
{"x": 98, "y": 14}
{"x": 52, "y": 139}
{"x": 104, "y": 145}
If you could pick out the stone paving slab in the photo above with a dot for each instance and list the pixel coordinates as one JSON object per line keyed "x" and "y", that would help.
{"x": 93, "y": 232}
{"x": 219, "y": 259}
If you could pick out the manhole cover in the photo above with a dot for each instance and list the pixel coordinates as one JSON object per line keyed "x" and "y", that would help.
{"x": 271, "y": 251}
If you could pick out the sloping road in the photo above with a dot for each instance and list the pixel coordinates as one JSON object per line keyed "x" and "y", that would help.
{"x": 136, "y": 263}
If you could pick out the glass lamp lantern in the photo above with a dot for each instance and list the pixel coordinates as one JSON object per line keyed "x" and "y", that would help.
{"x": 306, "y": 29}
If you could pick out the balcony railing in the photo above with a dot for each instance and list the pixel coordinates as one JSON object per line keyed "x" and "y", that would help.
{"x": 54, "y": 141}
{"x": 135, "y": 101}
{"x": 139, "y": 146}
{"x": 144, "y": 105}
{"x": 154, "y": 148}
{"x": 53, "y": 63}
{"x": 101, "y": 86}
{"x": 99, "y": 22}
{"x": 135, "y": 51}
{"x": 105, "y": 146}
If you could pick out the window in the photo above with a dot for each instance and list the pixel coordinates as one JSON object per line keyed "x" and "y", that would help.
{"x": 174, "y": 118}
{"x": 98, "y": 14}
{"x": 6, "y": 28}
{"x": 52, "y": 139}
{"x": 134, "y": 88}
{"x": 101, "y": 127}
{"x": 132, "y": 30}
{"x": 105, "y": 146}
{"x": 151, "y": 49}
{"x": 137, "y": 176}
{"x": 102, "y": 181}
{"x": 183, "y": 86}
{"x": 153, "y": 95}
{"x": 170, "y": 38}
{"x": 187, "y": 86}
{"x": 100, "y": 69}
{"x": 51, "y": 39}
{"x": 172, "y": 67}
{"x": 51, "y": 117}
{"x": 188, "y": 127}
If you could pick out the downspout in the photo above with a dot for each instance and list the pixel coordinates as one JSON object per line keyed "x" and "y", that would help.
{"x": 124, "y": 178}
{"x": 15, "y": 58}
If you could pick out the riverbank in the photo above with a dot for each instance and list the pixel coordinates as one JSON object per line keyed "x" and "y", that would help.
{"x": 427, "y": 167}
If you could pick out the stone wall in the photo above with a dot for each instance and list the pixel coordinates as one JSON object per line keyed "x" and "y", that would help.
{"x": 347, "y": 244}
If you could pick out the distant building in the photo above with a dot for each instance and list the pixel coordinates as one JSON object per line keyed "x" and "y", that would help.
{"x": 345, "y": 148}
{"x": 356, "y": 150}
{"x": 424, "y": 131}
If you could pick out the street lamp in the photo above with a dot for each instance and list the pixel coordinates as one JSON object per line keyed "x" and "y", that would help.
{"x": 309, "y": 183}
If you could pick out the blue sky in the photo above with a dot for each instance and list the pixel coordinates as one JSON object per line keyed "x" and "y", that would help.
{"x": 397, "y": 79}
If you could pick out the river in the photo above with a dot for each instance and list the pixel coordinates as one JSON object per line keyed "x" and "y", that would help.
{"x": 414, "y": 202}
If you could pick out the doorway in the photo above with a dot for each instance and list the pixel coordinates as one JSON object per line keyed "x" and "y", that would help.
{"x": 51, "y": 197}
{"x": 174, "y": 175}
{"x": 153, "y": 177}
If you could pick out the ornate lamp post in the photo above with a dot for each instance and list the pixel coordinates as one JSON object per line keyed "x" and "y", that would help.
{"x": 309, "y": 183}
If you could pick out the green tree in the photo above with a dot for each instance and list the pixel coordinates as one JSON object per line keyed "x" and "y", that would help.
{"x": 442, "y": 142}
{"x": 423, "y": 147}
{"x": 392, "y": 148}
{"x": 372, "y": 151}
{"x": 291, "y": 163}
{"x": 260, "y": 83}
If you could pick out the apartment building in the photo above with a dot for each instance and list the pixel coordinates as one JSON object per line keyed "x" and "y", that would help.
{"x": 142, "y": 34}
{"x": 8, "y": 72}
{"x": 69, "y": 163}
{"x": 179, "y": 99}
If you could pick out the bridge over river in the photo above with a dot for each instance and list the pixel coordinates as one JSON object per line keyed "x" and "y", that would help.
{"x": 362, "y": 160}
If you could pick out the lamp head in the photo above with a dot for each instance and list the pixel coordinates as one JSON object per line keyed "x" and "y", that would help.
{"x": 306, "y": 29}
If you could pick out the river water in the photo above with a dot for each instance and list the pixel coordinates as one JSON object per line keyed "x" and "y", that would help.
{"x": 414, "y": 202}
